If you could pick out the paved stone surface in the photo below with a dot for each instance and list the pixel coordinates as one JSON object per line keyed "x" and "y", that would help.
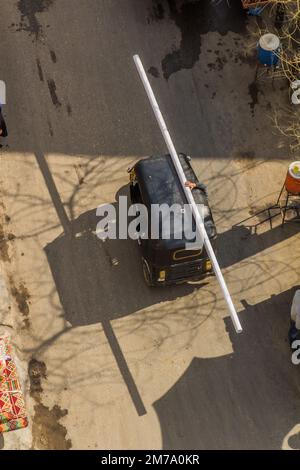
{"x": 111, "y": 363}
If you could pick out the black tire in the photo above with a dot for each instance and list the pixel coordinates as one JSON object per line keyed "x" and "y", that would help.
{"x": 131, "y": 194}
{"x": 147, "y": 273}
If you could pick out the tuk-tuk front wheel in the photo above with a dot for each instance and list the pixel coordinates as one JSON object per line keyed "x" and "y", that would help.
{"x": 147, "y": 273}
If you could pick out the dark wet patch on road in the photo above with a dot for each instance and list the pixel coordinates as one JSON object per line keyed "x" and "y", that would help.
{"x": 53, "y": 56}
{"x": 37, "y": 371}
{"x": 253, "y": 92}
{"x": 218, "y": 64}
{"x": 154, "y": 72}
{"x": 22, "y": 298}
{"x": 250, "y": 59}
{"x": 29, "y": 10}
{"x": 4, "y": 246}
{"x": 53, "y": 94}
{"x": 40, "y": 70}
{"x": 195, "y": 19}
{"x": 47, "y": 432}
{"x": 157, "y": 12}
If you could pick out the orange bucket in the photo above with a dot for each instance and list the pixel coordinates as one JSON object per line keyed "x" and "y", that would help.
{"x": 292, "y": 180}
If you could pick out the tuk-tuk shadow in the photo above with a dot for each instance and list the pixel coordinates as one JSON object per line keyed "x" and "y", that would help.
{"x": 98, "y": 282}
{"x": 105, "y": 278}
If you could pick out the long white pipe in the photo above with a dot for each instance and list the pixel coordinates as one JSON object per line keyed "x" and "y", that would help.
{"x": 188, "y": 192}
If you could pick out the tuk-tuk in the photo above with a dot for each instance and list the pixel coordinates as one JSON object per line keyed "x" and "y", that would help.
{"x": 154, "y": 180}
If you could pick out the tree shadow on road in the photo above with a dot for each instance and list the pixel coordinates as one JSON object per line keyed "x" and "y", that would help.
{"x": 246, "y": 400}
{"x": 239, "y": 243}
{"x": 93, "y": 289}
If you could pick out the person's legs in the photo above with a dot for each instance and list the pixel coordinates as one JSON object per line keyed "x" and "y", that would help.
{"x": 294, "y": 333}
{"x": 3, "y": 125}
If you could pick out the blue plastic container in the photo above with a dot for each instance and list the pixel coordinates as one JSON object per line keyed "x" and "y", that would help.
{"x": 268, "y": 49}
{"x": 256, "y": 11}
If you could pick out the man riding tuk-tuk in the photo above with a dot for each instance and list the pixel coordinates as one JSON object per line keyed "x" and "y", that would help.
{"x": 171, "y": 259}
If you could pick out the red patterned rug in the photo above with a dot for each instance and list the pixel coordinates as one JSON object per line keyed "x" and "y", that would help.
{"x": 12, "y": 406}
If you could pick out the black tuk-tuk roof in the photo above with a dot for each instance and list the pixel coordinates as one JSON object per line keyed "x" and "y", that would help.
{"x": 160, "y": 184}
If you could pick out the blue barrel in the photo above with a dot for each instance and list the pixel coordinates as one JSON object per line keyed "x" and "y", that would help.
{"x": 268, "y": 48}
{"x": 256, "y": 11}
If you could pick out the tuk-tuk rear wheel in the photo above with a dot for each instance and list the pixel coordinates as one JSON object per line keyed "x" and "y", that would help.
{"x": 147, "y": 274}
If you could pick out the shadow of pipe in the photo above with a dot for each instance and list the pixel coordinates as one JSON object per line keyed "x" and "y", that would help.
{"x": 123, "y": 368}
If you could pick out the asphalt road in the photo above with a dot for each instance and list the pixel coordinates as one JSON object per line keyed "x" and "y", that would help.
{"x": 111, "y": 363}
